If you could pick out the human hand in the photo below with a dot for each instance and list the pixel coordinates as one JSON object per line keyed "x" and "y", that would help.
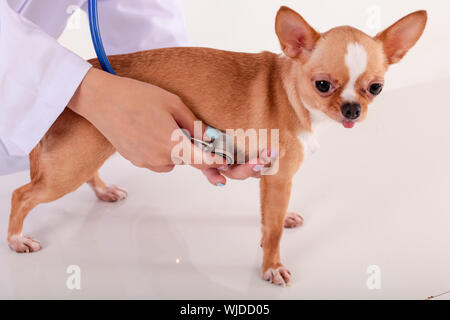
{"x": 251, "y": 169}
{"x": 138, "y": 119}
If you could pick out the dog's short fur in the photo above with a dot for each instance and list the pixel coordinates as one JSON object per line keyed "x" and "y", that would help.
{"x": 230, "y": 90}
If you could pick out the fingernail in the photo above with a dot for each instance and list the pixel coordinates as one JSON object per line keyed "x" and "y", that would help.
{"x": 258, "y": 168}
{"x": 224, "y": 168}
{"x": 274, "y": 154}
{"x": 220, "y": 185}
{"x": 212, "y": 133}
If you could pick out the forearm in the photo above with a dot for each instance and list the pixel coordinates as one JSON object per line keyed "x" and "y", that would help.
{"x": 89, "y": 98}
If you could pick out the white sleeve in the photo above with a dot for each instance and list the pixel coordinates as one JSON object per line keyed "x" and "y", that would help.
{"x": 38, "y": 77}
{"x": 136, "y": 25}
{"x": 9, "y": 164}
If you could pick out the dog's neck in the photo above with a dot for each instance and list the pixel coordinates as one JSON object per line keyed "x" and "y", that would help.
{"x": 310, "y": 119}
{"x": 290, "y": 81}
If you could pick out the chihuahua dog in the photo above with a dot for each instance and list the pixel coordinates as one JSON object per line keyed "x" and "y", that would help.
{"x": 331, "y": 76}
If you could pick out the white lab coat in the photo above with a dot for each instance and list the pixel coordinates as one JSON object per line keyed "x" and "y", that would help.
{"x": 38, "y": 76}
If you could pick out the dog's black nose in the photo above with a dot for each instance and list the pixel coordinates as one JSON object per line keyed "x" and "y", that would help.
{"x": 351, "y": 110}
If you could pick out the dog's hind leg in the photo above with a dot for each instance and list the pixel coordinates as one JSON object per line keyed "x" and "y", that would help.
{"x": 67, "y": 156}
{"x": 109, "y": 193}
{"x": 45, "y": 187}
{"x": 23, "y": 201}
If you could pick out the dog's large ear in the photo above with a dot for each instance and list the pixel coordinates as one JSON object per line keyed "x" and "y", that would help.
{"x": 402, "y": 35}
{"x": 297, "y": 37}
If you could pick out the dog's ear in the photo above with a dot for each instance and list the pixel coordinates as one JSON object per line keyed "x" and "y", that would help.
{"x": 402, "y": 35}
{"x": 297, "y": 37}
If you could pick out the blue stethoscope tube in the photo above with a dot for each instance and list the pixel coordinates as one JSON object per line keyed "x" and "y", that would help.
{"x": 96, "y": 38}
{"x": 106, "y": 66}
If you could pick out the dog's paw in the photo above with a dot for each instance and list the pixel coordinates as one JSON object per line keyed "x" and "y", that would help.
{"x": 112, "y": 193}
{"x": 23, "y": 244}
{"x": 293, "y": 220}
{"x": 280, "y": 276}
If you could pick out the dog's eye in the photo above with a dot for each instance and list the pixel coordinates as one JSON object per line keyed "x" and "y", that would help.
{"x": 376, "y": 88}
{"x": 323, "y": 86}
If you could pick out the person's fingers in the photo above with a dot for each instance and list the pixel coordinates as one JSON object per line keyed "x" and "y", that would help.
{"x": 186, "y": 120}
{"x": 214, "y": 177}
{"x": 244, "y": 171}
{"x": 251, "y": 168}
{"x": 192, "y": 155}
{"x": 209, "y": 160}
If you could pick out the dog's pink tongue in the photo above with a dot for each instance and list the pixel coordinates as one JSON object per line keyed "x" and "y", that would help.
{"x": 348, "y": 124}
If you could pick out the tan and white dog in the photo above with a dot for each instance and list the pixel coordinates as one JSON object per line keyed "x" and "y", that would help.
{"x": 321, "y": 77}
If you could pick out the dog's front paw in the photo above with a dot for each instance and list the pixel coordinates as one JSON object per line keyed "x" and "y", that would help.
{"x": 112, "y": 193}
{"x": 293, "y": 220}
{"x": 280, "y": 276}
{"x": 23, "y": 244}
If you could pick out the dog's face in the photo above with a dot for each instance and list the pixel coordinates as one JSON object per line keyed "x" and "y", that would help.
{"x": 340, "y": 72}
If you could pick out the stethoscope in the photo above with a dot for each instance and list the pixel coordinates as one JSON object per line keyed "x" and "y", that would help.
{"x": 221, "y": 143}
